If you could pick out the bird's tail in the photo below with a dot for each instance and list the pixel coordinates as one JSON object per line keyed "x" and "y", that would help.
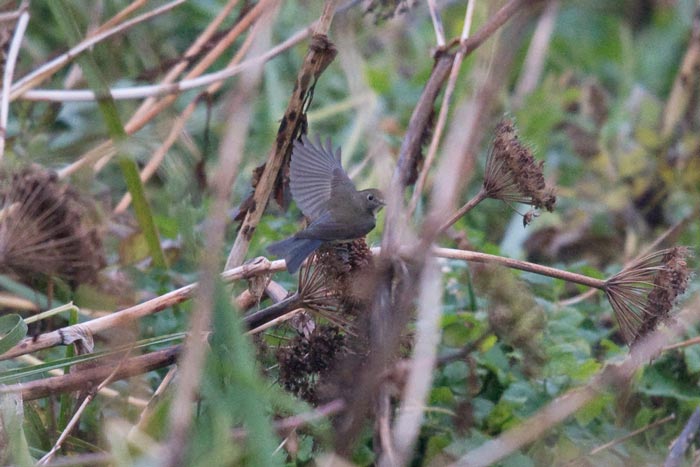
{"x": 294, "y": 250}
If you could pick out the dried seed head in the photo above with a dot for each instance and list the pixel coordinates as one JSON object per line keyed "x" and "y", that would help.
{"x": 643, "y": 294}
{"x": 45, "y": 229}
{"x": 309, "y": 358}
{"x": 512, "y": 173}
{"x": 335, "y": 281}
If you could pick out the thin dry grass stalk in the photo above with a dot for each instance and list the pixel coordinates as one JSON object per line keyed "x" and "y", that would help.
{"x": 46, "y": 229}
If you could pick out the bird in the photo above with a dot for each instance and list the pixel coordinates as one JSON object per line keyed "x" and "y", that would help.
{"x": 336, "y": 210}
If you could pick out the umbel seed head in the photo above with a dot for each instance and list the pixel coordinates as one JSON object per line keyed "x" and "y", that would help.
{"x": 512, "y": 174}
{"x": 46, "y": 229}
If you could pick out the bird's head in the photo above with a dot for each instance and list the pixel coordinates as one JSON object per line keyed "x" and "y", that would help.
{"x": 373, "y": 200}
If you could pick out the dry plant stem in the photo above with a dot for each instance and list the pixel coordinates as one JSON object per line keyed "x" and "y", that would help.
{"x": 179, "y": 124}
{"x": 437, "y": 23}
{"x": 669, "y": 234}
{"x": 384, "y": 411}
{"x": 45, "y": 71}
{"x": 275, "y": 321}
{"x": 320, "y": 54}
{"x": 612, "y": 375}
{"x": 122, "y": 317}
{"x": 84, "y": 378}
{"x": 681, "y": 444}
{"x": 632, "y": 434}
{"x": 8, "y": 72}
{"x": 685, "y": 343}
{"x": 476, "y": 257}
{"x": 410, "y": 415}
{"x": 230, "y": 156}
{"x": 148, "y": 411}
{"x": 76, "y": 416}
{"x": 536, "y": 53}
{"x": 105, "y": 392}
{"x": 286, "y": 425}
{"x": 148, "y": 111}
{"x": 192, "y": 51}
{"x": 444, "y": 108}
{"x": 685, "y": 83}
{"x": 258, "y": 267}
{"x": 121, "y": 16}
{"x": 478, "y": 198}
{"x": 494, "y": 23}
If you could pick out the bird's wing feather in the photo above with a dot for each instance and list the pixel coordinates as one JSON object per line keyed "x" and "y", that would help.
{"x": 316, "y": 175}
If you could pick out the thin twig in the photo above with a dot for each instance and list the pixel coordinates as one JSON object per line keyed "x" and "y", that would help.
{"x": 79, "y": 411}
{"x": 468, "y": 206}
{"x": 437, "y": 23}
{"x": 83, "y": 378}
{"x": 631, "y": 434}
{"x": 10, "y": 63}
{"x": 105, "y": 392}
{"x": 289, "y": 424}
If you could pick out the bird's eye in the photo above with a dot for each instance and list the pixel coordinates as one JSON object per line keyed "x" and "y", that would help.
{"x": 370, "y": 197}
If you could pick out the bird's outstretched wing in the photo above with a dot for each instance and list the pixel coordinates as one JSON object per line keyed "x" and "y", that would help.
{"x": 316, "y": 175}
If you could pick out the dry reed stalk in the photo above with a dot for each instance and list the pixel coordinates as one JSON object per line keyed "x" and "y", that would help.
{"x": 320, "y": 54}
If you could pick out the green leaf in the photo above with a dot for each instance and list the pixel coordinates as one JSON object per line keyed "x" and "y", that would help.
{"x": 12, "y": 330}
{"x": 12, "y": 418}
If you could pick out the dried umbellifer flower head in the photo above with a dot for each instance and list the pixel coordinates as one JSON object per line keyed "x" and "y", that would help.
{"x": 644, "y": 293}
{"x": 512, "y": 174}
{"x": 334, "y": 281}
{"x": 46, "y": 229}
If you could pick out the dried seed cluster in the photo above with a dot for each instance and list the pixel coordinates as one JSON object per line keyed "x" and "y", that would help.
{"x": 309, "y": 358}
{"x": 45, "y": 229}
{"x": 512, "y": 173}
{"x": 643, "y": 294}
